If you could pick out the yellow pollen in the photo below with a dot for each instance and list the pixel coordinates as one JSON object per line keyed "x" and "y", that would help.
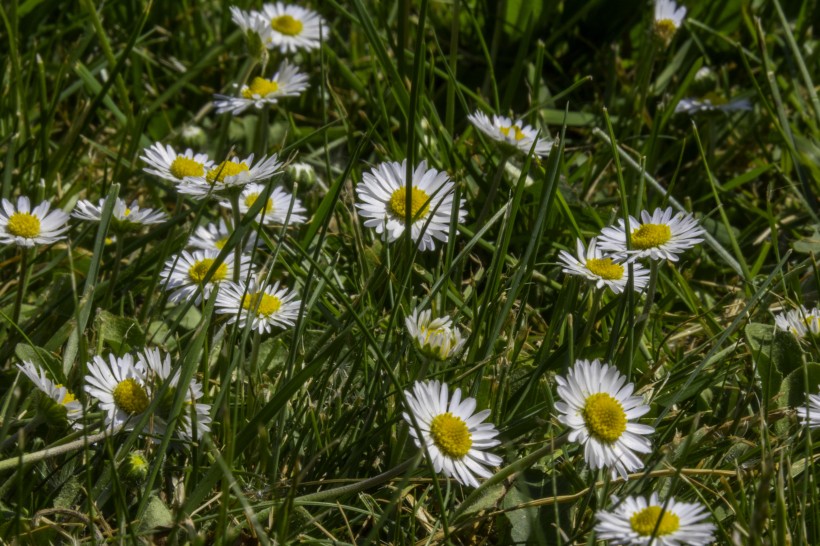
{"x": 430, "y": 332}
{"x": 251, "y": 199}
{"x": 285, "y": 24}
{"x": 23, "y": 224}
{"x": 260, "y": 87}
{"x": 645, "y": 522}
{"x": 267, "y": 304}
{"x": 126, "y": 212}
{"x": 604, "y": 417}
{"x": 451, "y": 435}
{"x": 650, "y": 236}
{"x": 130, "y": 396}
{"x": 665, "y": 29}
{"x": 224, "y": 169}
{"x": 605, "y": 268}
{"x": 518, "y": 135}
{"x": 185, "y": 166}
{"x": 68, "y": 398}
{"x": 220, "y": 244}
{"x": 198, "y": 271}
{"x": 419, "y": 206}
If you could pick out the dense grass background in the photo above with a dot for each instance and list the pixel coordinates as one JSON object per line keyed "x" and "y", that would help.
{"x": 86, "y": 86}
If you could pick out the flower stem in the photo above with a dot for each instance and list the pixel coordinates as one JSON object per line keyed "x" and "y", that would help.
{"x": 237, "y": 218}
{"x": 597, "y": 293}
{"x": 643, "y": 318}
{"x": 21, "y": 286}
{"x": 50, "y": 452}
{"x": 115, "y": 271}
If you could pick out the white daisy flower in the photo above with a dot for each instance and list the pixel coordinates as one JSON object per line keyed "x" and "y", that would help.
{"x": 597, "y": 404}
{"x": 185, "y": 273}
{"x": 383, "y": 200}
{"x": 63, "y": 405}
{"x": 166, "y": 163}
{"x": 120, "y": 388}
{"x": 292, "y": 27}
{"x": 267, "y": 307}
{"x": 124, "y": 216}
{"x": 454, "y": 436}
{"x": 668, "y": 19}
{"x": 250, "y": 21}
{"x": 276, "y": 209}
{"x": 640, "y": 521}
{"x": 215, "y": 237}
{"x": 661, "y": 235}
{"x": 24, "y": 226}
{"x": 513, "y": 133}
{"x": 800, "y": 322}
{"x": 811, "y": 415}
{"x": 435, "y": 338}
{"x": 600, "y": 269}
{"x": 711, "y": 104}
{"x": 230, "y": 175}
{"x": 287, "y": 82}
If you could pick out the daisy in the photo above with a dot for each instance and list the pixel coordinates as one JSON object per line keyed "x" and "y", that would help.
{"x": 166, "y": 163}
{"x": 658, "y": 236}
{"x": 513, "y": 133}
{"x": 250, "y": 21}
{"x": 62, "y": 404}
{"x": 712, "y": 103}
{"x": 230, "y": 175}
{"x": 597, "y": 404}
{"x": 185, "y": 274}
{"x": 287, "y": 82}
{"x": 124, "y": 216}
{"x": 292, "y": 27}
{"x": 23, "y": 226}
{"x": 668, "y": 19}
{"x": 383, "y": 200}
{"x": 120, "y": 388}
{"x": 454, "y": 436}
{"x": 640, "y": 521}
{"x": 811, "y": 415}
{"x": 280, "y": 204}
{"x": 799, "y": 322}
{"x": 602, "y": 270}
{"x": 435, "y": 338}
{"x": 215, "y": 237}
{"x": 267, "y": 307}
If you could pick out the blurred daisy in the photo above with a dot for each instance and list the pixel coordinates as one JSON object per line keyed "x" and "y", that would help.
{"x": 280, "y": 203}
{"x": 215, "y": 237}
{"x": 435, "y": 338}
{"x": 668, "y": 19}
{"x": 61, "y": 403}
{"x": 799, "y": 322}
{"x": 454, "y": 436}
{"x": 641, "y": 521}
{"x": 382, "y": 197}
{"x": 292, "y": 27}
{"x": 120, "y": 388}
{"x": 513, "y": 133}
{"x": 24, "y": 226}
{"x": 810, "y": 415}
{"x": 231, "y": 175}
{"x": 166, "y": 163}
{"x": 602, "y": 270}
{"x": 597, "y": 404}
{"x": 250, "y": 21}
{"x": 266, "y": 307}
{"x": 185, "y": 274}
{"x": 711, "y": 104}
{"x": 124, "y": 216}
{"x": 287, "y": 82}
{"x": 658, "y": 236}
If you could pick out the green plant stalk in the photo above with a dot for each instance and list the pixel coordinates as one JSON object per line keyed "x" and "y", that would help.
{"x": 116, "y": 269}
{"x": 643, "y": 318}
{"x": 597, "y": 293}
{"x": 48, "y": 453}
{"x": 21, "y": 285}
{"x": 237, "y": 218}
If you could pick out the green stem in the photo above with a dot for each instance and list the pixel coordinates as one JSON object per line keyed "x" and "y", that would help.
{"x": 21, "y": 286}
{"x": 50, "y": 452}
{"x": 237, "y": 218}
{"x": 597, "y": 293}
{"x": 115, "y": 271}
{"x": 643, "y": 318}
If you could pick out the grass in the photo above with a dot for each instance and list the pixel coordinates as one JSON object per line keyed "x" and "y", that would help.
{"x": 308, "y": 443}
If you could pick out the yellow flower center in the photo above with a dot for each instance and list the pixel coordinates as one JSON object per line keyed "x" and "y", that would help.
{"x": 23, "y": 224}
{"x": 198, "y": 271}
{"x": 224, "y": 169}
{"x": 130, "y": 396}
{"x": 715, "y": 99}
{"x": 645, "y": 522}
{"x": 185, "y": 166}
{"x": 260, "y": 87}
{"x": 251, "y": 199}
{"x": 605, "y": 268}
{"x": 604, "y": 417}
{"x": 220, "y": 243}
{"x": 518, "y": 135}
{"x": 68, "y": 398}
{"x": 285, "y": 24}
{"x": 665, "y": 29}
{"x": 262, "y": 303}
{"x": 126, "y": 212}
{"x": 430, "y": 332}
{"x": 451, "y": 435}
{"x": 419, "y": 206}
{"x": 651, "y": 236}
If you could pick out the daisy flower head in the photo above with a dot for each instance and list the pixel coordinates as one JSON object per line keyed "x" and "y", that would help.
{"x": 120, "y": 388}
{"x": 264, "y": 307}
{"x": 800, "y": 322}
{"x": 711, "y": 103}
{"x": 166, "y": 163}
{"x": 383, "y": 200}
{"x": 597, "y": 404}
{"x": 287, "y": 82}
{"x": 810, "y": 415}
{"x": 58, "y": 403}
{"x": 602, "y": 270}
{"x": 231, "y": 176}
{"x": 292, "y": 27}
{"x": 186, "y": 275}
{"x": 662, "y": 235}
{"x": 215, "y": 236}
{"x": 23, "y": 226}
{"x": 454, "y": 436}
{"x": 280, "y": 206}
{"x": 668, "y": 19}
{"x": 124, "y": 217}
{"x": 510, "y": 132}
{"x": 435, "y": 338}
{"x": 641, "y": 521}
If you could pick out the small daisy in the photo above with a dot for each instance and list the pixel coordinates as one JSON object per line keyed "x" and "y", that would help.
{"x": 454, "y": 436}
{"x": 513, "y": 133}
{"x": 268, "y": 307}
{"x": 602, "y": 270}
{"x": 215, "y": 237}
{"x": 383, "y": 200}
{"x": 62, "y": 405}
{"x": 287, "y": 82}
{"x": 124, "y": 216}
{"x": 810, "y": 416}
{"x": 668, "y": 19}
{"x": 185, "y": 274}
{"x": 711, "y": 104}
{"x": 292, "y": 27}
{"x": 800, "y": 322}
{"x": 640, "y": 521}
{"x": 276, "y": 210}
{"x": 658, "y": 236}
{"x": 166, "y": 163}
{"x": 230, "y": 175}
{"x": 597, "y": 404}
{"x": 250, "y": 21}
{"x": 120, "y": 388}
{"x": 435, "y": 338}
{"x": 23, "y": 226}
